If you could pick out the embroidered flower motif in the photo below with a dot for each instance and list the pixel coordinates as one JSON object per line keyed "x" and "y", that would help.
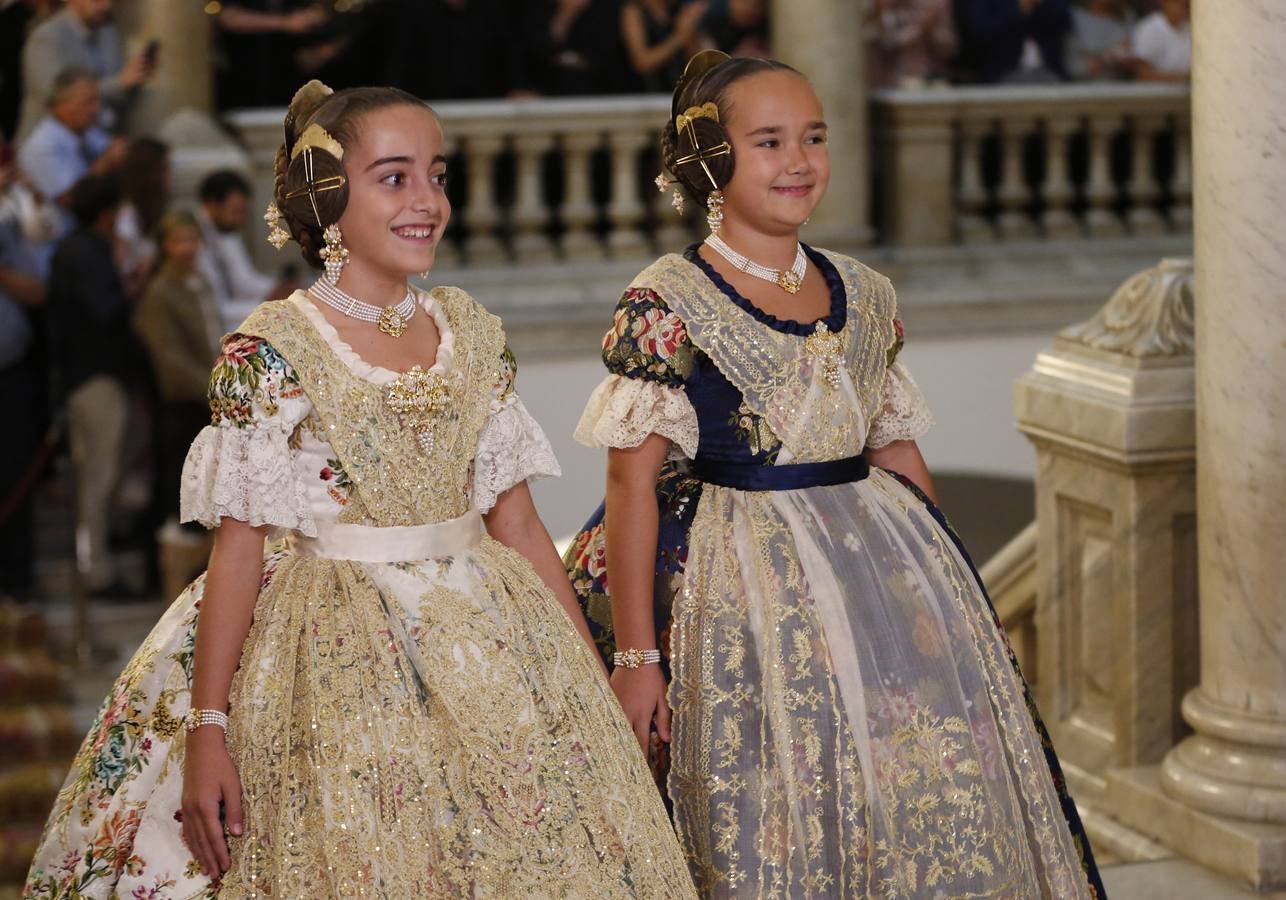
{"x": 647, "y": 340}
{"x": 753, "y": 431}
{"x": 341, "y": 485}
{"x": 249, "y": 371}
{"x": 658, "y": 333}
{"x": 898, "y": 334}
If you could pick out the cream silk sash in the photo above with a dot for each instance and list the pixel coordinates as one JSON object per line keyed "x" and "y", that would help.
{"x": 403, "y": 543}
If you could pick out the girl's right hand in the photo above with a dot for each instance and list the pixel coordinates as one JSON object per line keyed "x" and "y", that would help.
{"x": 210, "y": 779}
{"x": 641, "y": 693}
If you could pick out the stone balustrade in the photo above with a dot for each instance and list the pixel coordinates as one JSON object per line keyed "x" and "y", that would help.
{"x": 970, "y": 165}
{"x": 570, "y": 179}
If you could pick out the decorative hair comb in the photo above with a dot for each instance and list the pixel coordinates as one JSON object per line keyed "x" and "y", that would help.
{"x": 316, "y": 136}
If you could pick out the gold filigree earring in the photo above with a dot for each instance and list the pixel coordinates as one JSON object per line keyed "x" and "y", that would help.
{"x": 277, "y": 236}
{"x": 663, "y": 182}
{"x": 334, "y": 255}
{"x": 714, "y": 211}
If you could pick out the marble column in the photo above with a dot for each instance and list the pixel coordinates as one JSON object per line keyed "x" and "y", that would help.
{"x": 1235, "y": 765}
{"x": 823, "y": 39}
{"x": 184, "y": 70}
{"x": 1220, "y": 795}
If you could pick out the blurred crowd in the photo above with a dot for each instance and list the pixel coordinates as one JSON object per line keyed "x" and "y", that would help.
{"x": 113, "y": 292}
{"x": 911, "y": 43}
{"x": 524, "y": 48}
{"x": 113, "y": 297}
{"x": 466, "y": 49}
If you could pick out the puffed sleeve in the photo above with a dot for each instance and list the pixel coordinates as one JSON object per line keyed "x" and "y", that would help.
{"x": 648, "y": 355}
{"x": 903, "y": 415}
{"x": 240, "y": 466}
{"x": 512, "y": 447}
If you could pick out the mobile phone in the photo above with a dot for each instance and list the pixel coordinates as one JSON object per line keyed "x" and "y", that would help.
{"x": 151, "y": 50}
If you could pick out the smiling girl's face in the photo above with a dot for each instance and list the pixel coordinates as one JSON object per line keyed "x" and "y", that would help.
{"x": 774, "y": 121}
{"x": 397, "y": 203}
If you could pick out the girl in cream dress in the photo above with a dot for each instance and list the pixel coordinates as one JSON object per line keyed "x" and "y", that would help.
{"x": 408, "y": 710}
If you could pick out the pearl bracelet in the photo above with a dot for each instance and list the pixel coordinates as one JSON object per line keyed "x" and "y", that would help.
{"x": 635, "y": 659}
{"x": 195, "y": 718}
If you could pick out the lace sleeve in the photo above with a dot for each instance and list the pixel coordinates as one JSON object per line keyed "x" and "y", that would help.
{"x": 904, "y": 415}
{"x": 512, "y": 447}
{"x": 240, "y": 466}
{"x": 623, "y": 411}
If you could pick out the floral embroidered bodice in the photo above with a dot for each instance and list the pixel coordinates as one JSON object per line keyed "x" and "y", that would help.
{"x": 309, "y": 425}
{"x": 735, "y": 384}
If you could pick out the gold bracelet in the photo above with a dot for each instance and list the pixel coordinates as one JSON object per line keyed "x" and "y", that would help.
{"x": 635, "y": 659}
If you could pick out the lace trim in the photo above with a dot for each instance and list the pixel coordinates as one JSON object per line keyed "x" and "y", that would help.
{"x": 904, "y": 415}
{"x": 774, "y": 371}
{"x": 622, "y": 412}
{"x": 245, "y": 474}
{"x": 511, "y": 449}
{"x": 444, "y": 361}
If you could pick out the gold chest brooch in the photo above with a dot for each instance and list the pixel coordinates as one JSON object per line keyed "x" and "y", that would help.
{"x": 418, "y": 398}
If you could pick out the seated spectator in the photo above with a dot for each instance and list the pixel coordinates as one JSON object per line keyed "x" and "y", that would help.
{"x": 224, "y": 261}
{"x": 66, "y": 145}
{"x": 94, "y": 361}
{"x": 1017, "y": 41}
{"x": 659, "y": 36}
{"x": 477, "y": 52}
{"x": 21, "y": 383}
{"x": 257, "y": 41}
{"x": 909, "y": 42}
{"x": 737, "y": 27}
{"x": 145, "y": 179}
{"x": 180, "y": 328}
{"x": 574, "y": 47}
{"x": 1099, "y": 47}
{"x": 1162, "y": 44}
{"x": 83, "y": 36}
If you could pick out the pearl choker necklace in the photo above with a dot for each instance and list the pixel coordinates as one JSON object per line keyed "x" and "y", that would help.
{"x": 789, "y": 280}
{"x": 392, "y": 320}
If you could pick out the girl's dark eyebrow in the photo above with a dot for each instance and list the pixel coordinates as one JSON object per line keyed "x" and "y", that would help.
{"x": 404, "y": 160}
{"x": 774, "y": 129}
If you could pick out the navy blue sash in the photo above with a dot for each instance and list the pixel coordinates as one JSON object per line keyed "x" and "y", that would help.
{"x": 759, "y": 477}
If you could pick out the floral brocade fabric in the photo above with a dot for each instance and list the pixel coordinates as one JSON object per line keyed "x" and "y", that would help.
{"x": 433, "y": 727}
{"x": 847, "y": 718}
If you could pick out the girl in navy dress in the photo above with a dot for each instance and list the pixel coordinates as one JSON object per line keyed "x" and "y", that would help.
{"x": 843, "y": 715}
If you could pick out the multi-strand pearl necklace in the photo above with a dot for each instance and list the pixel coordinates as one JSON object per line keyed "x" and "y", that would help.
{"x": 391, "y": 320}
{"x": 789, "y": 280}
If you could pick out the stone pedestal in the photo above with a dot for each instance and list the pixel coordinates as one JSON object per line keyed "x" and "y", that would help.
{"x": 823, "y": 39}
{"x": 1219, "y": 797}
{"x": 1110, "y": 412}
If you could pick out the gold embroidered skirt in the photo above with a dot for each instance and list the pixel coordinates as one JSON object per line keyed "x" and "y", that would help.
{"x": 847, "y": 722}
{"x": 401, "y": 729}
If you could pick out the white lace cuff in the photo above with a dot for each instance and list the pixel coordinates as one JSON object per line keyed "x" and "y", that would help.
{"x": 512, "y": 448}
{"x": 904, "y": 416}
{"x": 622, "y": 412}
{"x": 244, "y": 474}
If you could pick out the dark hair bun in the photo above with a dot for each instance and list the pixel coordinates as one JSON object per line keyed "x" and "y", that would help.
{"x": 676, "y": 145}
{"x": 312, "y": 213}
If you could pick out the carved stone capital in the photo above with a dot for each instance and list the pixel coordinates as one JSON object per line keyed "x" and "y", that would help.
{"x": 1151, "y": 315}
